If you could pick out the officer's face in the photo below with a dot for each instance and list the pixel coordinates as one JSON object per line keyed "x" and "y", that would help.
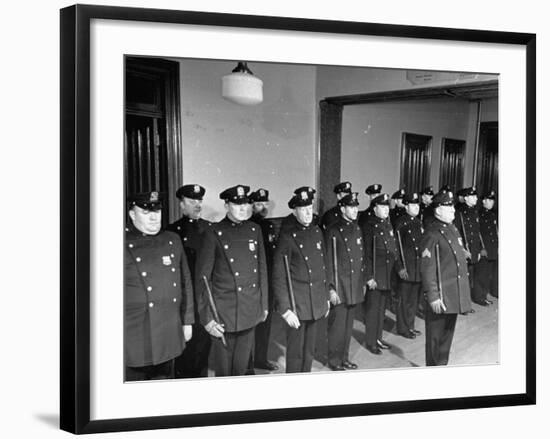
{"x": 471, "y": 200}
{"x": 304, "y": 214}
{"x": 260, "y": 208}
{"x": 445, "y": 213}
{"x": 238, "y": 212}
{"x": 412, "y": 209}
{"x": 146, "y": 221}
{"x": 191, "y": 208}
{"x": 488, "y": 203}
{"x": 427, "y": 199}
{"x": 382, "y": 211}
{"x": 349, "y": 212}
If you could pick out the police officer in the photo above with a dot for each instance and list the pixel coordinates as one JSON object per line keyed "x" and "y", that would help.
{"x": 488, "y": 221}
{"x": 380, "y": 250}
{"x": 409, "y": 233}
{"x": 289, "y": 220}
{"x": 158, "y": 293}
{"x": 260, "y": 210}
{"x": 467, "y": 223}
{"x": 372, "y": 192}
{"x": 305, "y": 299}
{"x": 344, "y": 244}
{"x": 444, "y": 280}
{"x": 398, "y": 209}
{"x": 232, "y": 263}
{"x": 333, "y": 214}
{"x": 426, "y": 209}
{"x": 193, "y": 362}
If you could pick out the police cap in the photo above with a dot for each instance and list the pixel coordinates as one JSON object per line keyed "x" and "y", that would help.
{"x": 349, "y": 200}
{"x": 411, "y": 198}
{"x": 398, "y": 194}
{"x": 345, "y": 186}
{"x": 259, "y": 195}
{"x": 383, "y": 199}
{"x": 300, "y": 199}
{"x": 146, "y": 200}
{"x": 428, "y": 190}
{"x": 193, "y": 191}
{"x": 443, "y": 199}
{"x": 373, "y": 189}
{"x": 236, "y": 194}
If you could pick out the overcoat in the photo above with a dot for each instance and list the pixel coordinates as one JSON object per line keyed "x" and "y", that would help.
{"x": 379, "y": 265}
{"x": 411, "y": 232}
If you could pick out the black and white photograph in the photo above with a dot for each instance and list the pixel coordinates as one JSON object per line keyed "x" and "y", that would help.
{"x": 296, "y": 218}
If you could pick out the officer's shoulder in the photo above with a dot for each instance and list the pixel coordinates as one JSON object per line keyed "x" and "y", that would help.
{"x": 169, "y": 236}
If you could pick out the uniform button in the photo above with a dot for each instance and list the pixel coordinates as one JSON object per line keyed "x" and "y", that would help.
{"x": 175, "y": 300}
{"x": 185, "y": 238}
{"x": 144, "y": 273}
{"x": 255, "y": 256}
{"x": 352, "y": 271}
{"x": 294, "y": 235}
{"x": 151, "y": 304}
{"x": 219, "y": 233}
{"x": 131, "y": 245}
{"x": 179, "y": 228}
{"x": 310, "y": 284}
{"x": 253, "y": 229}
{"x": 305, "y": 258}
{"x": 170, "y": 242}
{"x": 236, "y": 273}
{"x": 459, "y": 276}
{"x": 239, "y": 289}
{"x": 253, "y": 285}
{"x": 226, "y": 246}
{"x": 173, "y": 269}
{"x": 138, "y": 259}
{"x": 457, "y": 264}
{"x": 149, "y": 288}
{"x": 351, "y": 260}
{"x": 341, "y": 230}
{"x": 231, "y": 260}
{"x": 349, "y": 249}
{"x": 255, "y": 271}
{"x": 172, "y": 255}
{"x": 345, "y": 239}
{"x": 309, "y": 271}
{"x": 301, "y": 246}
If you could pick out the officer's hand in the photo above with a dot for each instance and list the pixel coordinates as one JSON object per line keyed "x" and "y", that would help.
{"x": 403, "y": 274}
{"x": 468, "y": 255}
{"x": 483, "y": 253}
{"x": 334, "y": 298}
{"x": 328, "y": 309}
{"x": 187, "y": 332}
{"x": 364, "y": 290}
{"x": 265, "y": 315}
{"x": 372, "y": 284}
{"x": 291, "y": 319}
{"x": 437, "y": 306}
{"x": 214, "y": 329}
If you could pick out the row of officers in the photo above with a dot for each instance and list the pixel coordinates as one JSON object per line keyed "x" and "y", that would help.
{"x": 201, "y": 293}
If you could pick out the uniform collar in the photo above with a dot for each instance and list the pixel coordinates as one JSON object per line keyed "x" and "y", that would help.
{"x": 133, "y": 231}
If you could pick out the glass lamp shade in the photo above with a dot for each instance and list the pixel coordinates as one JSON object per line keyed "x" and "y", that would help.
{"x": 242, "y": 88}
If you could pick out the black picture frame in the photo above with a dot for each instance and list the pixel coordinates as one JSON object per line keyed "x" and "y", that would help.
{"x": 75, "y": 217}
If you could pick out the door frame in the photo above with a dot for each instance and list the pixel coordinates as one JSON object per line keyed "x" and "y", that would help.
{"x": 170, "y": 72}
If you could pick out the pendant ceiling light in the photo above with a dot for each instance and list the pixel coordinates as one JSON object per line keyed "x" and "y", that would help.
{"x": 242, "y": 87}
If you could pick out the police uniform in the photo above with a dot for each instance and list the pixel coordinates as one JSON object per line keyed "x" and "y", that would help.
{"x": 409, "y": 232}
{"x": 467, "y": 223}
{"x": 379, "y": 267}
{"x": 193, "y": 362}
{"x": 488, "y": 222}
{"x": 232, "y": 259}
{"x": 344, "y": 238}
{"x": 263, "y": 329}
{"x": 397, "y": 211}
{"x": 333, "y": 214}
{"x": 426, "y": 210}
{"x": 158, "y": 298}
{"x": 371, "y": 191}
{"x": 443, "y": 240}
{"x": 304, "y": 247}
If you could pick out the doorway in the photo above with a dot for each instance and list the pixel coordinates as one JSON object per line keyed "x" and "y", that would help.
{"x": 152, "y": 139}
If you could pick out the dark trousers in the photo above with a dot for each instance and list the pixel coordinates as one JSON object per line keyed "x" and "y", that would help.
{"x": 375, "y": 310}
{"x": 261, "y": 340}
{"x": 340, "y": 326}
{"x": 232, "y": 360}
{"x": 300, "y": 346}
{"x": 478, "y": 294}
{"x": 407, "y": 305}
{"x": 488, "y": 274}
{"x": 440, "y": 329}
{"x": 193, "y": 362}
{"x": 162, "y": 371}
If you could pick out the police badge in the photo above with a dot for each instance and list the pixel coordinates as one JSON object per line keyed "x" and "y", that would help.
{"x": 251, "y": 246}
{"x": 166, "y": 260}
{"x": 319, "y": 245}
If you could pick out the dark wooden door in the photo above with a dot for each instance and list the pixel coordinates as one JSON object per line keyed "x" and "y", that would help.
{"x": 416, "y": 152}
{"x": 452, "y": 163}
{"x": 487, "y": 170}
{"x": 152, "y": 138}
